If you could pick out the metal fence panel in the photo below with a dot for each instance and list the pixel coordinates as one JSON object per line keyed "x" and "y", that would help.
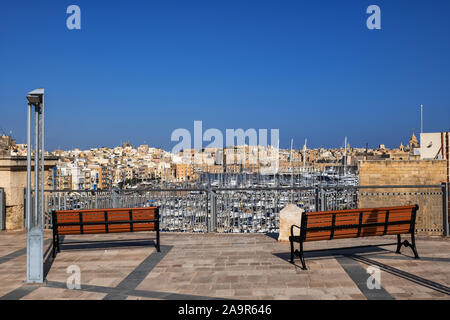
{"x": 2, "y": 209}
{"x": 429, "y": 198}
{"x": 232, "y": 210}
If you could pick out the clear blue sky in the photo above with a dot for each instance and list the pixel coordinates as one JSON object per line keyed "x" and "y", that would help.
{"x": 137, "y": 70}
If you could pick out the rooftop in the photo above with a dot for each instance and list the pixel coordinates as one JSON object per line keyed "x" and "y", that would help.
{"x": 230, "y": 266}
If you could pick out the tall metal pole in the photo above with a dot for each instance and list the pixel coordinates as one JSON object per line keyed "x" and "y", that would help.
{"x": 36, "y": 166}
{"x": 28, "y": 198}
{"x": 35, "y": 213}
{"x": 42, "y": 162}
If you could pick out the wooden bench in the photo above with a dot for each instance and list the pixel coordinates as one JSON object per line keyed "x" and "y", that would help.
{"x": 355, "y": 223}
{"x": 95, "y": 221}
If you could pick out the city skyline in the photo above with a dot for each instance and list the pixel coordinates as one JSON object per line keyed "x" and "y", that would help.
{"x": 128, "y": 166}
{"x": 297, "y": 147}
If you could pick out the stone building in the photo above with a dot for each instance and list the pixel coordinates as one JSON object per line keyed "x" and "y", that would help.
{"x": 6, "y": 143}
{"x": 436, "y": 146}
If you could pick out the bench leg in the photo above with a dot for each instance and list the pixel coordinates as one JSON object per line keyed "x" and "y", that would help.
{"x": 302, "y": 258}
{"x": 399, "y": 244}
{"x": 292, "y": 251}
{"x": 406, "y": 243}
{"x": 413, "y": 246}
{"x": 299, "y": 253}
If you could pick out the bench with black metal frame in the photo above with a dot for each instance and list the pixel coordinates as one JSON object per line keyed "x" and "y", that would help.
{"x": 355, "y": 223}
{"x": 98, "y": 221}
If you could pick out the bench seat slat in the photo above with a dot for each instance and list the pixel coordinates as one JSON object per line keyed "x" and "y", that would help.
{"x": 100, "y": 221}
{"x": 357, "y": 223}
{"x": 93, "y": 220}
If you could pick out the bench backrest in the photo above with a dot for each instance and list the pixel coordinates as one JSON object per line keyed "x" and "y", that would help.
{"x": 354, "y": 223}
{"x": 92, "y": 221}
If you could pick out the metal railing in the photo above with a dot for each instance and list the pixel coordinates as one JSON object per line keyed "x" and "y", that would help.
{"x": 180, "y": 209}
{"x": 255, "y": 209}
{"x": 2, "y": 209}
{"x": 446, "y": 205}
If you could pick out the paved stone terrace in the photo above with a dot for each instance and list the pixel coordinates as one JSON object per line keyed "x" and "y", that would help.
{"x": 226, "y": 266}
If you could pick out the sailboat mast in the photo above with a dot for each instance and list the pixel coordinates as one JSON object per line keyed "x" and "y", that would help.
{"x": 304, "y": 155}
{"x": 292, "y": 172}
{"x": 345, "y": 156}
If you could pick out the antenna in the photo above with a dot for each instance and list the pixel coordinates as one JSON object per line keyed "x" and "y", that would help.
{"x": 421, "y": 118}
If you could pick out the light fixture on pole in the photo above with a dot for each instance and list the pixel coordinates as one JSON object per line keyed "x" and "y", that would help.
{"x": 35, "y": 212}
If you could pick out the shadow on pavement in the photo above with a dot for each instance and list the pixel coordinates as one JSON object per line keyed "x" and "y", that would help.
{"x": 331, "y": 253}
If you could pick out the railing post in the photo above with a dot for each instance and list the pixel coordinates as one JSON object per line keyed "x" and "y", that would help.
{"x": 207, "y": 210}
{"x": 323, "y": 202}
{"x": 114, "y": 198}
{"x": 2, "y": 209}
{"x": 25, "y": 208}
{"x": 445, "y": 223}
{"x": 212, "y": 223}
{"x": 317, "y": 199}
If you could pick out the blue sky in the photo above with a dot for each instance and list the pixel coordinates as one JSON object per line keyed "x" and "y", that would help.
{"x": 137, "y": 70}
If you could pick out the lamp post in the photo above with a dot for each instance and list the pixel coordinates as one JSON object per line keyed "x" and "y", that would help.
{"x": 35, "y": 212}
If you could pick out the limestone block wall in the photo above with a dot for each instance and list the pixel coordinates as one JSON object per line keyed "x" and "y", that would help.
{"x": 410, "y": 172}
{"x": 14, "y": 200}
{"x": 13, "y": 178}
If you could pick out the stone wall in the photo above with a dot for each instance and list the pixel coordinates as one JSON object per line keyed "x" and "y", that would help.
{"x": 11, "y": 182}
{"x": 409, "y": 172}
{"x": 13, "y": 178}
{"x": 406, "y": 172}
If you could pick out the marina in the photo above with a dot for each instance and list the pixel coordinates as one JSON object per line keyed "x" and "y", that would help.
{"x": 228, "y": 203}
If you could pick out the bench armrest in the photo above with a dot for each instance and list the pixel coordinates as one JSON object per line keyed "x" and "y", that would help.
{"x": 292, "y": 229}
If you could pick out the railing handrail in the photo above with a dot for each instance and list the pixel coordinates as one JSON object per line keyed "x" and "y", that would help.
{"x": 119, "y": 191}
